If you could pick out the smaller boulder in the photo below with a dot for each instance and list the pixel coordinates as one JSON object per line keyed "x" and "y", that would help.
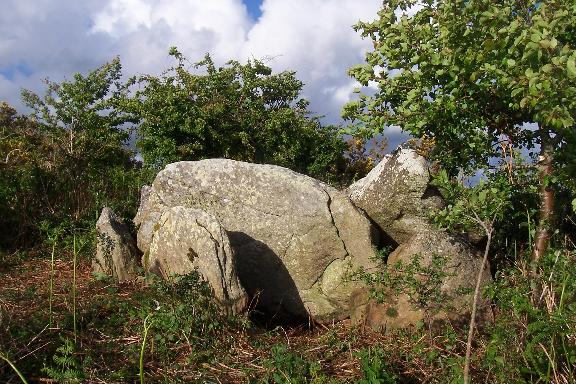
{"x": 185, "y": 239}
{"x": 397, "y": 196}
{"x": 116, "y": 251}
{"x": 431, "y": 280}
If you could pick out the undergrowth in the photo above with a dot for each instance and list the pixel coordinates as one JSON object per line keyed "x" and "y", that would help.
{"x": 190, "y": 340}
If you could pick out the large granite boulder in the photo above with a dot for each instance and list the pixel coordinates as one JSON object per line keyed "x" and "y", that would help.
{"x": 295, "y": 238}
{"x": 397, "y": 196}
{"x": 431, "y": 279}
{"x": 187, "y": 239}
{"x": 116, "y": 251}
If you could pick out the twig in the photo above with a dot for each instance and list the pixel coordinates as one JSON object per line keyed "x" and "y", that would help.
{"x": 37, "y": 336}
{"x": 34, "y": 350}
{"x": 488, "y": 228}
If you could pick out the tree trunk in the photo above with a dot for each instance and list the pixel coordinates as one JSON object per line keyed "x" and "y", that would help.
{"x": 545, "y": 171}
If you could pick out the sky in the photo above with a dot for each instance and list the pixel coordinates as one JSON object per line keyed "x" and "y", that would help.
{"x": 54, "y": 39}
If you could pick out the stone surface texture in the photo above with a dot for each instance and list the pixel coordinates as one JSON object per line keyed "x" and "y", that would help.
{"x": 116, "y": 251}
{"x": 404, "y": 308}
{"x": 396, "y": 195}
{"x": 295, "y": 238}
{"x": 186, "y": 239}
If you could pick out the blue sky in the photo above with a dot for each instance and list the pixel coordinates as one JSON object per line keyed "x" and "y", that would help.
{"x": 56, "y": 38}
{"x": 16, "y": 69}
{"x": 253, "y": 8}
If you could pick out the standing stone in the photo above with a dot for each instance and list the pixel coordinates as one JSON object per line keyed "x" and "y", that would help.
{"x": 187, "y": 239}
{"x": 434, "y": 293}
{"x": 116, "y": 251}
{"x": 396, "y": 195}
{"x": 295, "y": 238}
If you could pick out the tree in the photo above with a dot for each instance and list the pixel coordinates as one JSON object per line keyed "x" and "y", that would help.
{"x": 20, "y": 146}
{"x": 13, "y": 128}
{"x": 239, "y": 111}
{"x": 86, "y": 135}
{"x": 471, "y": 74}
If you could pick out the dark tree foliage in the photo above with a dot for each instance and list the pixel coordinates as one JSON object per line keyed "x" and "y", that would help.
{"x": 67, "y": 160}
{"x": 470, "y": 75}
{"x": 85, "y": 132}
{"x": 241, "y": 112}
{"x": 20, "y": 144}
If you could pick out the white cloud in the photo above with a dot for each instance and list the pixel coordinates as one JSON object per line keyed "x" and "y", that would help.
{"x": 57, "y": 38}
{"x": 196, "y": 27}
{"x": 121, "y": 16}
{"x": 342, "y": 94}
{"x": 315, "y": 38}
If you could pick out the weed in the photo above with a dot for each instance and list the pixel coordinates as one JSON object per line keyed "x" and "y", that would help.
{"x": 192, "y": 340}
{"x": 421, "y": 282}
{"x": 543, "y": 334}
{"x": 51, "y": 298}
{"x": 147, "y": 325}
{"x": 374, "y": 368}
{"x": 183, "y": 310}
{"x": 287, "y": 367}
{"x": 66, "y": 367}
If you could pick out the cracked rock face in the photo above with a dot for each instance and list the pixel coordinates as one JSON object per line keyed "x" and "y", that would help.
{"x": 116, "y": 252}
{"x": 185, "y": 239}
{"x": 295, "y": 238}
{"x": 396, "y": 195}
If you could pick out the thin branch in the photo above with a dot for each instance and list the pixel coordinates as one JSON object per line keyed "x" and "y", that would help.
{"x": 488, "y": 228}
{"x": 9, "y": 154}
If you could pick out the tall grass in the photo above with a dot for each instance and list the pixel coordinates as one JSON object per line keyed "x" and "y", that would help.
{"x": 147, "y": 326}
{"x": 51, "y": 298}
{"x": 11, "y": 364}
{"x": 74, "y": 257}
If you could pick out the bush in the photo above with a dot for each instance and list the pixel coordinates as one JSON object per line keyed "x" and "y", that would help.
{"x": 534, "y": 338}
{"x": 239, "y": 111}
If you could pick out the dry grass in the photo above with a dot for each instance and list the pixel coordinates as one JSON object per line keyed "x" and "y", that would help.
{"x": 413, "y": 356}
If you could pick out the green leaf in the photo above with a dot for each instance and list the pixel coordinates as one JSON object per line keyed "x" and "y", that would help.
{"x": 571, "y": 67}
{"x": 545, "y": 43}
{"x": 516, "y": 92}
{"x": 481, "y": 77}
{"x": 553, "y": 43}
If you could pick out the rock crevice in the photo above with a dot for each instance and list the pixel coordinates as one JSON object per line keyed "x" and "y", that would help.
{"x": 329, "y": 207}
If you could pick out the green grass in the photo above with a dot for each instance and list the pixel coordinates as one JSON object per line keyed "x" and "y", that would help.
{"x": 191, "y": 340}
